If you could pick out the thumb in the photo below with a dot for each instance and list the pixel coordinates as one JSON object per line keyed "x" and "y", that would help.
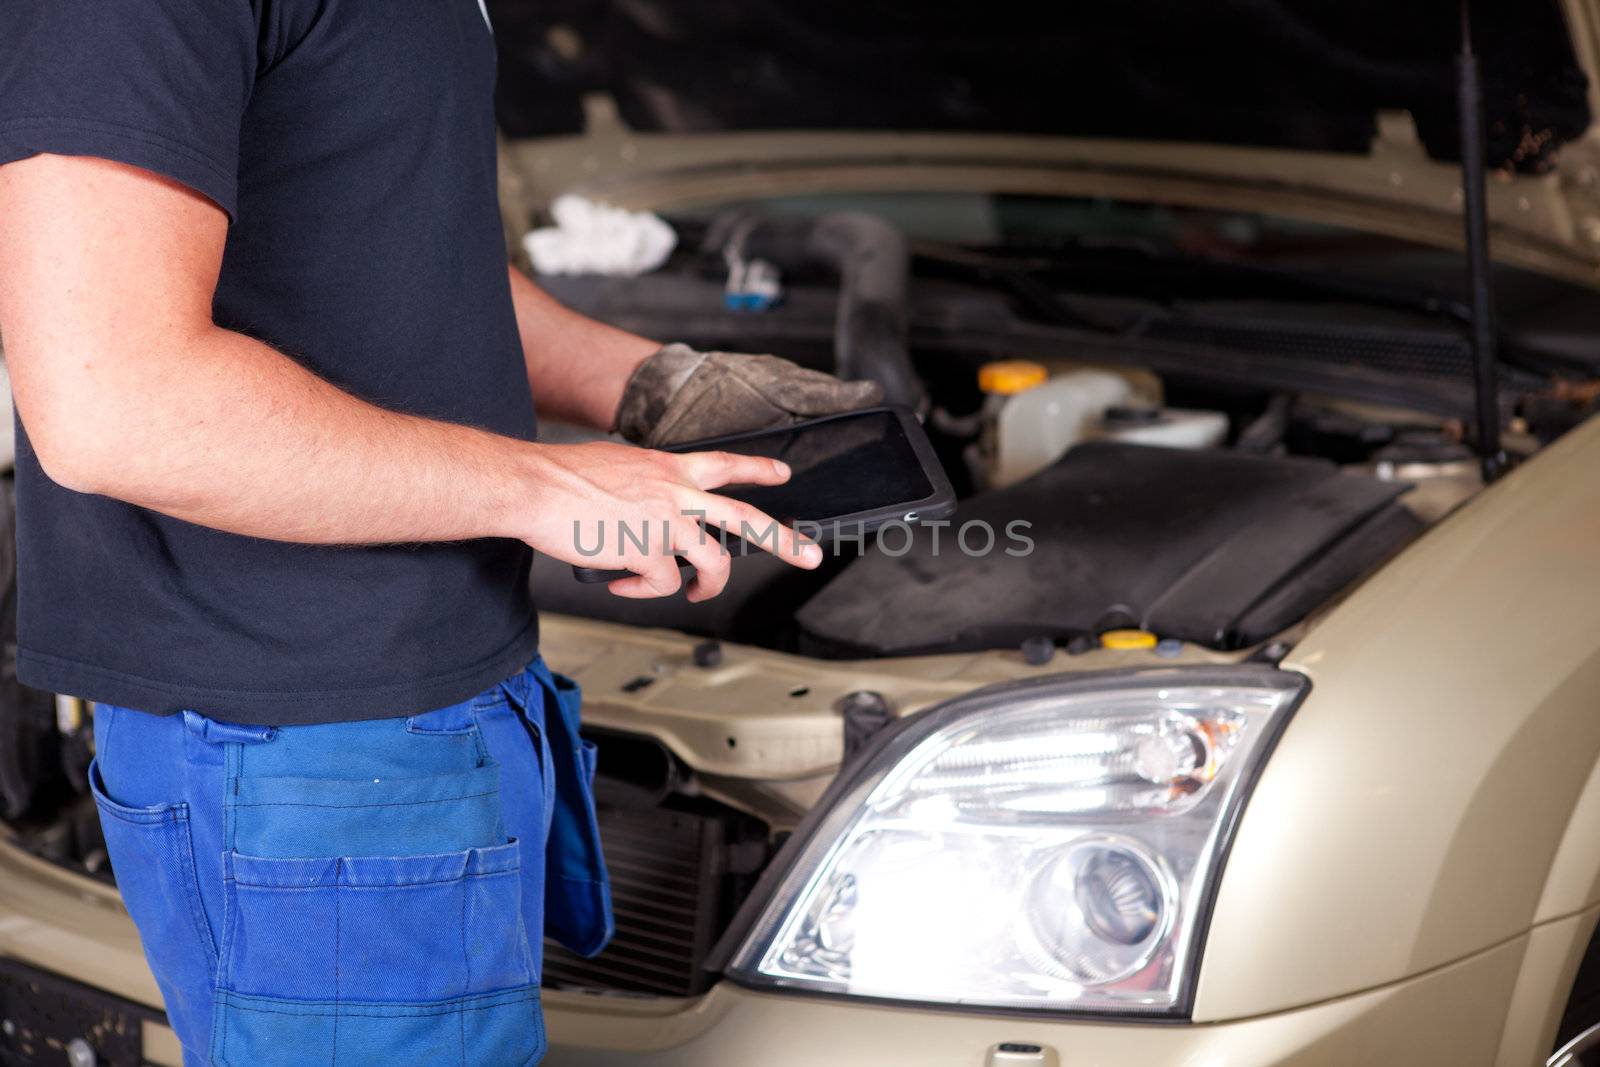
{"x": 835, "y": 395}
{"x": 812, "y": 393}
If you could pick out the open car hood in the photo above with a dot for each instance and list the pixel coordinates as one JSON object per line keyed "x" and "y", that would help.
{"x": 1344, "y": 112}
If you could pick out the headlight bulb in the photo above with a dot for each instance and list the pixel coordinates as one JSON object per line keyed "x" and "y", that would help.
{"x": 1118, "y": 897}
{"x": 1176, "y": 750}
{"x": 1095, "y": 913}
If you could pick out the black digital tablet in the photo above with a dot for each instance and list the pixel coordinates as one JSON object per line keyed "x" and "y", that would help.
{"x": 850, "y": 474}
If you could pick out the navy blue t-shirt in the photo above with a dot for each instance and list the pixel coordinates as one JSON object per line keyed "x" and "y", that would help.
{"x": 352, "y": 144}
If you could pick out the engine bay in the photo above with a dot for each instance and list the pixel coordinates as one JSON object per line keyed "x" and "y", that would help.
{"x": 1207, "y": 455}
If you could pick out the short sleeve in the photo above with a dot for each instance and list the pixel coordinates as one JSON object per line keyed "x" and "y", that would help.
{"x": 158, "y": 84}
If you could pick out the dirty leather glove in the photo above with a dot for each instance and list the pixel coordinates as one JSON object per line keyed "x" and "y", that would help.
{"x": 680, "y": 395}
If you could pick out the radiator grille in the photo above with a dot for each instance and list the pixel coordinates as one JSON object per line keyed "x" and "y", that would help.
{"x": 668, "y": 892}
{"x": 45, "y": 1012}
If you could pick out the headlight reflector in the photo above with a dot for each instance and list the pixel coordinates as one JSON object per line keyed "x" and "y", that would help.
{"x": 1044, "y": 845}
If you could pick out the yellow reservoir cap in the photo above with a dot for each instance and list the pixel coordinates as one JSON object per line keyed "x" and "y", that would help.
{"x": 1008, "y": 377}
{"x": 1123, "y": 640}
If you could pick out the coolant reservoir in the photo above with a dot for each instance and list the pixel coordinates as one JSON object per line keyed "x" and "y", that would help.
{"x": 1167, "y": 427}
{"x": 1031, "y": 419}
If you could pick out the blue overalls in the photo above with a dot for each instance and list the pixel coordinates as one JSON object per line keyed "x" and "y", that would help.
{"x": 358, "y": 893}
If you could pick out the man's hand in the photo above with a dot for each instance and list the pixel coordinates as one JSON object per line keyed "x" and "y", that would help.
{"x": 680, "y": 395}
{"x": 583, "y": 497}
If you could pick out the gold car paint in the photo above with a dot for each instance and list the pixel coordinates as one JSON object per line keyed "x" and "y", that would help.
{"x": 1435, "y": 793}
{"x": 1429, "y": 1019}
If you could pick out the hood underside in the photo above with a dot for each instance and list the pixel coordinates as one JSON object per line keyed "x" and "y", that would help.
{"x": 1343, "y": 114}
{"x": 1295, "y": 74}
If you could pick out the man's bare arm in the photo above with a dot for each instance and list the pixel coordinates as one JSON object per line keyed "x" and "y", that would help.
{"x": 128, "y": 389}
{"x": 577, "y": 367}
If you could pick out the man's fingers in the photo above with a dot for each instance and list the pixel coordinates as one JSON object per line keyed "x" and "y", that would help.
{"x": 655, "y": 576}
{"x": 711, "y": 562}
{"x": 709, "y": 470}
{"x": 758, "y": 529}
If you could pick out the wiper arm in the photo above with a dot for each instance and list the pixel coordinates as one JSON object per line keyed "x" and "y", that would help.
{"x": 1054, "y": 256}
{"x": 1396, "y": 297}
{"x": 1024, "y": 279}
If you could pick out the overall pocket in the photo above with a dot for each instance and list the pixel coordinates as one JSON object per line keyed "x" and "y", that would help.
{"x": 377, "y": 816}
{"x": 577, "y": 888}
{"x": 376, "y": 960}
{"x": 153, "y": 859}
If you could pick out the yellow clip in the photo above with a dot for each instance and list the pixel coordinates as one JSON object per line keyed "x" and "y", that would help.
{"x": 1123, "y": 640}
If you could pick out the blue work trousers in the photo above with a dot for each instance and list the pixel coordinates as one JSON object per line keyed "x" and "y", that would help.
{"x": 362, "y": 892}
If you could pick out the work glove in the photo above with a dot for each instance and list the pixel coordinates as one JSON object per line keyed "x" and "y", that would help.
{"x": 680, "y": 395}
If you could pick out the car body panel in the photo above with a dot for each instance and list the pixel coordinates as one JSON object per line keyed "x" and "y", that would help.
{"x": 1544, "y": 983}
{"x": 779, "y": 710}
{"x": 67, "y": 924}
{"x": 1417, "y": 1021}
{"x": 1419, "y": 801}
{"x": 64, "y": 922}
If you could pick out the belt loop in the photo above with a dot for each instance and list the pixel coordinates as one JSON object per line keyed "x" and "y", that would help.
{"x": 451, "y": 719}
{"x": 517, "y": 690}
{"x": 218, "y": 733}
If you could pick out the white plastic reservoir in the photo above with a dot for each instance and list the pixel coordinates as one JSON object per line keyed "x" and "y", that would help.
{"x": 1166, "y": 427}
{"x": 1035, "y": 426}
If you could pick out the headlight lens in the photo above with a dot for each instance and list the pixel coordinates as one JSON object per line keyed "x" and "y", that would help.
{"x": 1049, "y": 845}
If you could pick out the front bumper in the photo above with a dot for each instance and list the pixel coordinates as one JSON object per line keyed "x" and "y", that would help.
{"x": 1492, "y": 1007}
{"x": 1455, "y": 1015}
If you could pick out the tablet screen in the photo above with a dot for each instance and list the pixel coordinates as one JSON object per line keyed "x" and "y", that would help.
{"x": 840, "y": 467}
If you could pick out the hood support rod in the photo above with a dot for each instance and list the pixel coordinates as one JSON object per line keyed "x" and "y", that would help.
{"x": 1475, "y": 215}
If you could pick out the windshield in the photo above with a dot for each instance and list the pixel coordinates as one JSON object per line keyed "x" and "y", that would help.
{"x": 1116, "y": 266}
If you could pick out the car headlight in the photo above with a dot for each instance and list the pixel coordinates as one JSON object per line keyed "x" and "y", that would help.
{"x": 1051, "y": 845}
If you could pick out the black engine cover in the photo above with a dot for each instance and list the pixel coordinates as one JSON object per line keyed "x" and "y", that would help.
{"x": 1219, "y": 548}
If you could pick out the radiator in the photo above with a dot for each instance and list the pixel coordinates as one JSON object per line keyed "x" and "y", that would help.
{"x": 669, "y": 890}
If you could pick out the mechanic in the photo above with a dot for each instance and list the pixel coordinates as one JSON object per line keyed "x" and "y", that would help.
{"x": 278, "y": 490}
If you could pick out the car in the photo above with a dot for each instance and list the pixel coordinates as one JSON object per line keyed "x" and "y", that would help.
{"x": 1271, "y": 735}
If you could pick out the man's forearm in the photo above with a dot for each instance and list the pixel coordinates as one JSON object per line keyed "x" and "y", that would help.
{"x": 577, "y": 367}
{"x": 225, "y": 432}
{"x": 129, "y": 389}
